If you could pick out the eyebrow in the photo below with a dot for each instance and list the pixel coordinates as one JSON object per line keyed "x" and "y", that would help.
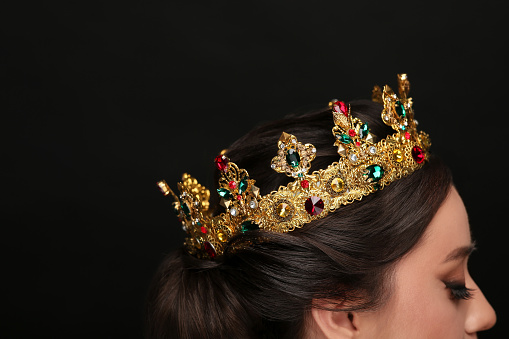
{"x": 460, "y": 252}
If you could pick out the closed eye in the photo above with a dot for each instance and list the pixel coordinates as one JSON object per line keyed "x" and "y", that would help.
{"x": 459, "y": 291}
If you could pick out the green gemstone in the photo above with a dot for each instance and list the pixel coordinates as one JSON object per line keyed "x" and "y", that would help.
{"x": 185, "y": 208}
{"x": 249, "y": 225}
{"x": 375, "y": 172}
{"x": 243, "y": 185}
{"x": 345, "y": 138}
{"x": 400, "y": 109}
{"x": 224, "y": 193}
{"x": 293, "y": 158}
{"x": 364, "y": 130}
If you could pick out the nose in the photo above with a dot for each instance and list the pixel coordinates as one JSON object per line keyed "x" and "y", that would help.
{"x": 481, "y": 316}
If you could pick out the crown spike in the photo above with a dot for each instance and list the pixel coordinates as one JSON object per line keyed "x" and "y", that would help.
{"x": 403, "y": 86}
{"x": 285, "y": 138}
{"x": 376, "y": 94}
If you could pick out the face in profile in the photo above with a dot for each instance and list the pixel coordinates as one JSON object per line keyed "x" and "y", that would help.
{"x": 433, "y": 294}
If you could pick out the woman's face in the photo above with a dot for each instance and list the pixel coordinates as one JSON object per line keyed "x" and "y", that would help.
{"x": 434, "y": 295}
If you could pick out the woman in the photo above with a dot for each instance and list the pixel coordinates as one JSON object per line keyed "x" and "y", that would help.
{"x": 374, "y": 245}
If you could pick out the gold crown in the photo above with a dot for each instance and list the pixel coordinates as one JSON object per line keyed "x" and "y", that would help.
{"x": 364, "y": 166}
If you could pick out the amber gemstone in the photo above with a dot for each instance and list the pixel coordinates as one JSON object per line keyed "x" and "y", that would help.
{"x": 314, "y": 205}
{"x": 283, "y": 210}
{"x": 418, "y": 154}
{"x": 337, "y": 185}
{"x": 398, "y": 155}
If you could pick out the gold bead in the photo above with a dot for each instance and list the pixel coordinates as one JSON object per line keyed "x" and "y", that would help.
{"x": 195, "y": 243}
{"x": 398, "y": 155}
{"x": 221, "y": 236}
{"x": 337, "y": 185}
{"x": 163, "y": 186}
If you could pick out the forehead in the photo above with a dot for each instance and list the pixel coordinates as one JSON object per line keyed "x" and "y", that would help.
{"x": 449, "y": 228}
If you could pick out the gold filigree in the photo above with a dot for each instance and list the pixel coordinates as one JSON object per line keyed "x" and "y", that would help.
{"x": 293, "y": 158}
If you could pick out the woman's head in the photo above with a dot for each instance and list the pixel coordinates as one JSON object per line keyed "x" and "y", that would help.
{"x": 347, "y": 263}
{"x": 432, "y": 293}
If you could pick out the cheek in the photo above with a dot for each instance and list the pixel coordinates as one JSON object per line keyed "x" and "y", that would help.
{"x": 424, "y": 310}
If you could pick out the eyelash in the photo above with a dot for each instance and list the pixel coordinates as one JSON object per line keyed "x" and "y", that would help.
{"x": 459, "y": 291}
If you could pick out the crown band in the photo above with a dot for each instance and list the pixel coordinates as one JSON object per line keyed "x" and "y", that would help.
{"x": 364, "y": 166}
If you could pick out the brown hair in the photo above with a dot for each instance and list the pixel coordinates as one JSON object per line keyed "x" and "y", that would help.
{"x": 266, "y": 289}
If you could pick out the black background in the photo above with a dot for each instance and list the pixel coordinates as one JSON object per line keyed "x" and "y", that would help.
{"x": 101, "y": 99}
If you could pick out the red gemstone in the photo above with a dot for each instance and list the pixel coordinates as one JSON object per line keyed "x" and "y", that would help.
{"x": 357, "y": 143}
{"x": 418, "y": 154}
{"x": 203, "y": 230}
{"x": 351, "y": 132}
{"x": 314, "y": 205}
{"x": 232, "y": 184}
{"x": 209, "y": 248}
{"x": 239, "y": 197}
{"x": 340, "y": 107}
{"x": 304, "y": 183}
{"x": 407, "y": 135}
{"x": 221, "y": 163}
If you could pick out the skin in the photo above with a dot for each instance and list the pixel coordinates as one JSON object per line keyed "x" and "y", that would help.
{"x": 421, "y": 304}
